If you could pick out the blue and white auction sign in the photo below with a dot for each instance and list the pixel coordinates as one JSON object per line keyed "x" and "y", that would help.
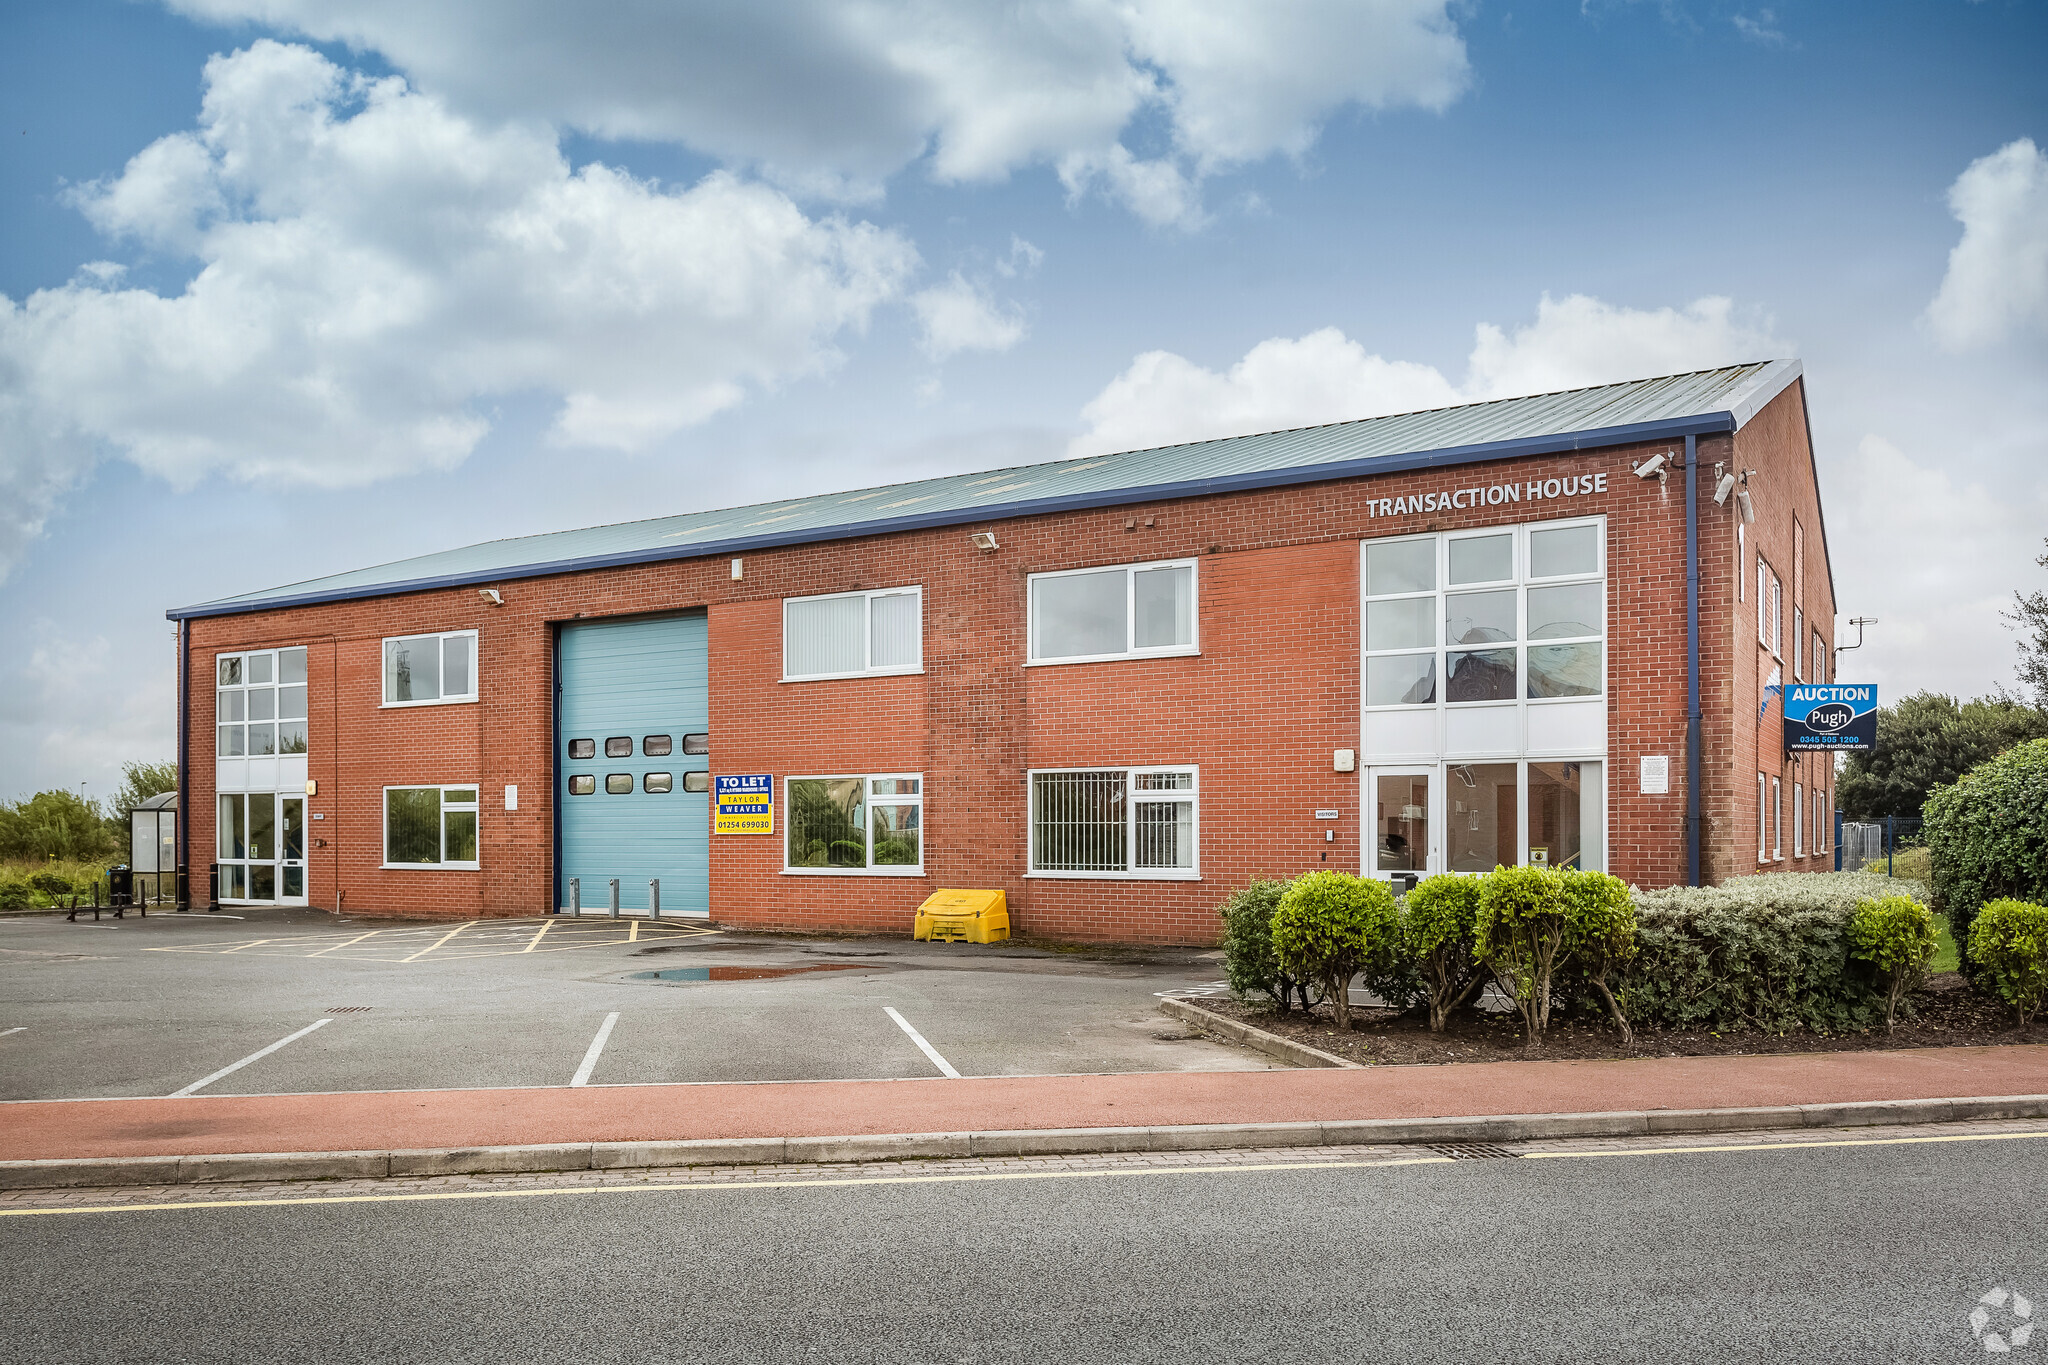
{"x": 1840, "y": 717}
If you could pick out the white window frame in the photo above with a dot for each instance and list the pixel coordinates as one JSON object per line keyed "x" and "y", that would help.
{"x": 1799, "y": 819}
{"x": 1763, "y": 600}
{"x": 1131, "y": 650}
{"x": 242, "y": 686}
{"x": 1133, "y": 798}
{"x": 439, "y": 636}
{"x": 867, "y": 636}
{"x": 1799, "y": 643}
{"x": 1820, "y": 659}
{"x": 1763, "y": 820}
{"x": 1777, "y": 617}
{"x": 1777, "y": 820}
{"x": 868, "y": 799}
{"x": 1521, "y": 583}
{"x": 474, "y": 806}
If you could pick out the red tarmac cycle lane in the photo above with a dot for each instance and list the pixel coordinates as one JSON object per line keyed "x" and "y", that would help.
{"x": 379, "y": 1120}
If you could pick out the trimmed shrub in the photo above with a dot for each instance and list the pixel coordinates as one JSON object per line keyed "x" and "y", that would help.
{"x": 1988, "y": 834}
{"x": 1769, "y": 952}
{"x": 1329, "y": 927}
{"x": 1248, "y": 957}
{"x": 1519, "y": 933}
{"x": 50, "y": 883}
{"x": 1438, "y": 921}
{"x": 2009, "y": 945}
{"x": 1895, "y": 935}
{"x": 15, "y": 894}
{"x": 1600, "y": 933}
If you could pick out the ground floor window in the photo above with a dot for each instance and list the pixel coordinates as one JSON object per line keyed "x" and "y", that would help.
{"x": 858, "y": 823}
{"x": 1115, "y": 822}
{"x": 430, "y": 827}
{"x": 1474, "y": 817}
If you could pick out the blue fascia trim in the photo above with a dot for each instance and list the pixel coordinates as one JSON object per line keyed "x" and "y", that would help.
{"x": 1669, "y": 429}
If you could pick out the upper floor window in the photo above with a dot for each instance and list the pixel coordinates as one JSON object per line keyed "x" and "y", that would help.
{"x": 260, "y": 703}
{"x": 1129, "y": 611}
{"x": 851, "y": 634}
{"x": 423, "y": 669}
{"x": 1487, "y": 617}
{"x": 1820, "y": 659}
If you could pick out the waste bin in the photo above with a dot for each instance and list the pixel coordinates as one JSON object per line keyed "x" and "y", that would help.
{"x": 121, "y": 884}
{"x": 964, "y": 917}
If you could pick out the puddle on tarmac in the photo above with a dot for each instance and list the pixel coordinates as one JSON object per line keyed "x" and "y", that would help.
{"x": 747, "y": 973}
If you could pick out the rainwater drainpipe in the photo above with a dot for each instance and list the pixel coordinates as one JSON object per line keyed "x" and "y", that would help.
{"x": 1692, "y": 662}
{"x": 184, "y": 816}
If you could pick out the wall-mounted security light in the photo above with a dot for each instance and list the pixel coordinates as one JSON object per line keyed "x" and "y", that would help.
{"x": 1726, "y": 485}
{"x": 1652, "y": 468}
{"x": 984, "y": 541}
{"x": 1744, "y": 505}
{"x": 492, "y": 596}
{"x": 739, "y": 570}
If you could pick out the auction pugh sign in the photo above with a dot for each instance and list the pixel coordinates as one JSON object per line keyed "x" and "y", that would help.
{"x": 744, "y": 805}
{"x": 1833, "y": 716}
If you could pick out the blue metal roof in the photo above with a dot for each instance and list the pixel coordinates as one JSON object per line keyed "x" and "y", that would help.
{"x": 1670, "y": 407}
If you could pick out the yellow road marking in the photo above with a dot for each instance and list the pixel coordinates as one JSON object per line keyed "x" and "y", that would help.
{"x": 439, "y": 941}
{"x": 252, "y": 943}
{"x": 538, "y": 937}
{"x": 633, "y": 936}
{"x": 980, "y": 1177}
{"x": 351, "y": 943}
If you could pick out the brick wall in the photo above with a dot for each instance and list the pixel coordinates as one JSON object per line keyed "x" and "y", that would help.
{"x": 1273, "y": 692}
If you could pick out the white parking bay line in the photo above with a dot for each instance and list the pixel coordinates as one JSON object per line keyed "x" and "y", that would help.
{"x": 4, "y": 1032}
{"x": 230, "y": 1069}
{"x": 922, "y": 1046}
{"x": 604, "y": 1031}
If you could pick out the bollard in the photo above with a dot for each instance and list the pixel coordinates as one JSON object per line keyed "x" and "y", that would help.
{"x": 576, "y": 897}
{"x": 615, "y": 898}
{"x": 654, "y": 898}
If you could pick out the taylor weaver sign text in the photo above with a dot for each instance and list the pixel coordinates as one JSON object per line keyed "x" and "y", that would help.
{"x": 1490, "y": 495}
{"x": 1833, "y": 716}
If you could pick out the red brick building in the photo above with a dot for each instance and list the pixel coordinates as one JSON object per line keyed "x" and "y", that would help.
{"x": 1116, "y": 687}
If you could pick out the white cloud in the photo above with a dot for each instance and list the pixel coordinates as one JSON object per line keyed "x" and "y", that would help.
{"x": 371, "y": 266}
{"x": 1163, "y": 398}
{"x": 1762, "y": 30}
{"x": 836, "y": 96}
{"x": 1997, "y": 280}
{"x": 959, "y": 315}
{"x": 75, "y": 708}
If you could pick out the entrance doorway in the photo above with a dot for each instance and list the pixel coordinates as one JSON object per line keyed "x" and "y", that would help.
{"x": 262, "y": 850}
{"x": 1405, "y": 825}
{"x": 1474, "y": 817}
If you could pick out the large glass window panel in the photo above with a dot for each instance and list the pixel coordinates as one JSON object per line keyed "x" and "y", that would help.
{"x": 233, "y": 832}
{"x": 824, "y": 635}
{"x": 263, "y": 738}
{"x": 1403, "y": 623}
{"x": 1165, "y": 835}
{"x": 262, "y": 703}
{"x": 1480, "y": 675}
{"x": 231, "y": 671}
{"x": 1480, "y": 816}
{"x": 461, "y": 835}
{"x": 1077, "y": 615}
{"x": 292, "y": 835}
{"x": 1164, "y": 600}
{"x": 1479, "y": 618}
{"x": 232, "y": 741}
{"x": 1564, "y": 550}
{"x": 1569, "y": 610}
{"x": 1400, "y": 566}
{"x": 229, "y": 706}
{"x": 412, "y": 669}
{"x": 291, "y": 665}
{"x": 458, "y": 666}
{"x": 897, "y": 834}
{"x": 1401, "y": 822}
{"x": 291, "y": 737}
{"x": 895, "y": 628}
{"x": 1401, "y": 679}
{"x": 1482, "y": 559}
{"x": 234, "y": 882}
{"x": 262, "y": 826}
{"x": 262, "y": 881}
{"x": 1077, "y": 822}
{"x": 259, "y": 668}
{"x": 1565, "y": 670}
{"x": 412, "y": 825}
{"x": 291, "y": 702}
{"x": 1556, "y": 815}
{"x": 1593, "y": 817}
{"x": 827, "y": 827}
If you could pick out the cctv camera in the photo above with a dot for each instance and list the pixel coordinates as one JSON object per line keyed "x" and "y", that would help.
{"x": 1652, "y": 468}
{"x": 1723, "y": 489}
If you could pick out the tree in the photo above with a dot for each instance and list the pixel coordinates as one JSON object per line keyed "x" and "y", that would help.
{"x": 1329, "y": 927}
{"x": 2030, "y": 619}
{"x": 1926, "y": 741}
{"x": 55, "y": 824}
{"x": 1988, "y": 837}
{"x": 140, "y": 781}
{"x": 1520, "y": 934}
{"x": 1438, "y": 923}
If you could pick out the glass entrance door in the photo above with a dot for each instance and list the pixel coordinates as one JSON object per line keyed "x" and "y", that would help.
{"x": 263, "y": 847}
{"x": 1405, "y": 835}
{"x": 291, "y": 850}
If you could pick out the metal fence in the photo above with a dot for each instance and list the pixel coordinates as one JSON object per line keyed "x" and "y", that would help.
{"x": 1861, "y": 844}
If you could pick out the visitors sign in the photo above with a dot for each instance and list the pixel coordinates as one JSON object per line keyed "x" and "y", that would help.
{"x": 1838, "y": 717}
{"x": 745, "y": 804}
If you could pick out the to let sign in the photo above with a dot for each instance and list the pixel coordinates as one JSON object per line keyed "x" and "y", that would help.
{"x": 744, "y": 804}
{"x": 1839, "y": 717}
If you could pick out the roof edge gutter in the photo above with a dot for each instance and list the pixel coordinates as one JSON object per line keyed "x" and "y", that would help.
{"x": 1449, "y": 457}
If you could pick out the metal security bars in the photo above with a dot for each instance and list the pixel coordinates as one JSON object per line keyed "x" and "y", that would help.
{"x": 1115, "y": 822}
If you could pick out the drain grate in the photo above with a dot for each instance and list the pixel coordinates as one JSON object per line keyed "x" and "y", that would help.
{"x": 1470, "y": 1151}
{"x": 349, "y": 1009}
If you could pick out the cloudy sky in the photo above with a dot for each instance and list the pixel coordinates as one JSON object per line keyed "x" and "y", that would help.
{"x": 294, "y": 286}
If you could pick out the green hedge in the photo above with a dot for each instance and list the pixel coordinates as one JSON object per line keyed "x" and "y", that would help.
{"x": 2009, "y": 945}
{"x": 1988, "y": 834}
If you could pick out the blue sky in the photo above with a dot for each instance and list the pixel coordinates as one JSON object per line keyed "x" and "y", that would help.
{"x": 407, "y": 280}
